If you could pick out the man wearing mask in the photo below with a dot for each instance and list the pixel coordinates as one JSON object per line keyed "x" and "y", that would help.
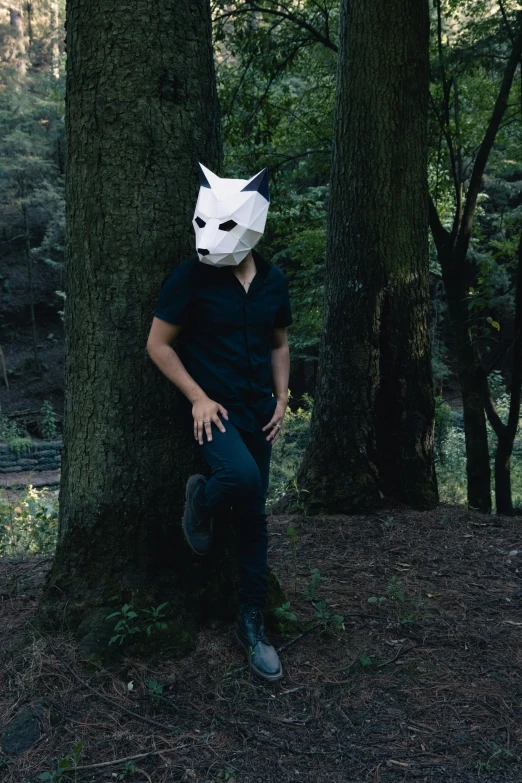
{"x": 229, "y": 309}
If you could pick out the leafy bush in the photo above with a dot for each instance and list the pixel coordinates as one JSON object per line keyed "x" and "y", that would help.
{"x": 29, "y": 526}
{"x": 12, "y": 433}
{"x": 288, "y": 451}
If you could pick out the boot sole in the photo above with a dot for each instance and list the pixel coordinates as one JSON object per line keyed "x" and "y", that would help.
{"x": 269, "y": 677}
{"x": 184, "y": 520}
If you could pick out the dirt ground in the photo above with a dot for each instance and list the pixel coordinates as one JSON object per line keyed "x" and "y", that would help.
{"x": 426, "y": 688}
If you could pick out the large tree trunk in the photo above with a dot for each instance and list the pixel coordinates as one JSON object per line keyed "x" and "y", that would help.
{"x": 372, "y": 424}
{"x": 142, "y": 109}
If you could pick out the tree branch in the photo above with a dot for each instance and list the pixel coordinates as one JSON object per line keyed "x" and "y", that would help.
{"x": 289, "y": 16}
{"x": 485, "y": 148}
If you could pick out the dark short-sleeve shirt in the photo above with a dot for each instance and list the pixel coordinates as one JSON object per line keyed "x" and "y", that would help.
{"x": 226, "y": 337}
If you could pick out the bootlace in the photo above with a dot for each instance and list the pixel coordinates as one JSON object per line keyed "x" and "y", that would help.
{"x": 258, "y": 634}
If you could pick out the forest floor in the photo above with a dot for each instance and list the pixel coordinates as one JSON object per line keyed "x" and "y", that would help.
{"x": 424, "y": 685}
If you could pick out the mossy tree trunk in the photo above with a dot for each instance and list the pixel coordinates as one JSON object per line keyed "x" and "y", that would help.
{"x": 141, "y": 110}
{"x": 372, "y": 425}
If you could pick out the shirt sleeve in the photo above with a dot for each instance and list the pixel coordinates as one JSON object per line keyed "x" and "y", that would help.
{"x": 175, "y": 298}
{"x": 284, "y": 314}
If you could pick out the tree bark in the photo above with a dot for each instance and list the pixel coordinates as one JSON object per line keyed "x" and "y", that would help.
{"x": 141, "y": 110}
{"x": 372, "y": 425}
{"x": 506, "y": 432}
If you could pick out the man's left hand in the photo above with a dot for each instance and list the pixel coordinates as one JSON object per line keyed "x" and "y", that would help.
{"x": 277, "y": 418}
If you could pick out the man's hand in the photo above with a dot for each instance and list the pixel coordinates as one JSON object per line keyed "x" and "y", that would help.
{"x": 277, "y": 418}
{"x": 205, "y": 408}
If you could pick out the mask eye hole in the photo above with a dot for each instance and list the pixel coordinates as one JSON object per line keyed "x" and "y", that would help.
{"x": 201, "y": 223}
{"x": 228, "y": 225}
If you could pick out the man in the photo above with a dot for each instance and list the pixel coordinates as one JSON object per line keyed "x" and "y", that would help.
{"x": 229, "y": 309}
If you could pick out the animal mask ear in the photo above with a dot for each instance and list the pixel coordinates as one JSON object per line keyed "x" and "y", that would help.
{"x": 207, "y": 178}
{"x": 260, "y": 183}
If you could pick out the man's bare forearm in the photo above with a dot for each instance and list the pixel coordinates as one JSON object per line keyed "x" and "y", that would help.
{"x": 281, "y": 371}
{"x": 168, "y": 361}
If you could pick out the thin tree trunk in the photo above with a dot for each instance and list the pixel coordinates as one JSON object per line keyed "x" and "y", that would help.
{"x": 506, "y": 432}
{"x": 471, "y": 376}
{"x": 30, "y": 280}
{"x": 141, "y": 110}
{"x": 55, "y": 25}
{"x": 372, "y": 424}
{"x": 17, "y": 30}
{"x": 452, "y": 248}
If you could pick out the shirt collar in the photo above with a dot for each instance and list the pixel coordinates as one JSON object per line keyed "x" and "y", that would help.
{"x": 262, "y": 267}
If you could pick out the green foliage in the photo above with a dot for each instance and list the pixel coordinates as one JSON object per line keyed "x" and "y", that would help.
{"x": 127, "y": 772}
{"x": 49, "y": 419}
{"x": 395, "y": 590}
{"x": 32, "y": 136}
{"x": 14, "y": 435}
{"x": 286, "y": 618}
{"x": 155, "y": 616}
{"x": 330, "y": 622}
{"x": 129, "y": 622}
{"x": 497, "y": 759}
{"x": 29, "y": 526}
{"x": 405, "y": 609}
{"x": 67, "y": 764}
{"x": 155, "y": 688}
{"x": 287, "y": 452}
{"x": 310, "y": 591}
{"x": 126, "y": 626}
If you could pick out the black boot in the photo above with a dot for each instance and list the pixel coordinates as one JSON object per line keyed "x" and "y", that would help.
{"x": 196, "y": 526}
{"x": 250, "y": 635}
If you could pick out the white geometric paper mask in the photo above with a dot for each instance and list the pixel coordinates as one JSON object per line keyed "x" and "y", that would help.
{"x": 230, "y": 216}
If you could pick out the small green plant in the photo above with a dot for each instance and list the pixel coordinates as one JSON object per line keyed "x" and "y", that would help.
{"x": 126, "y": 625}
{"x": 292, "y": 535}
{"x": 365, "y": 661}
{"x": 155, "y": 688}
{"x": 130, "y": 624}
{"x": 155, "y": 616}
{"x": 49, "y": 419}
{"x": 300, "y": 502}
{"x": 410, "y": 609}
{"x": 497, "y": 758}
{"x": 67, "y": 764}
{"x": 286, "y": 617}
{"x": 128, "y": 771}
{"x": 310, "y": 591}
{"x": 395, "y": 589}
{"x": 329, "y": 621}
{"x": 226, "y": 774}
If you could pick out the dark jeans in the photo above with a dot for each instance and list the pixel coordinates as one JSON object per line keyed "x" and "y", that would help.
{"x": 240, "y": 465}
